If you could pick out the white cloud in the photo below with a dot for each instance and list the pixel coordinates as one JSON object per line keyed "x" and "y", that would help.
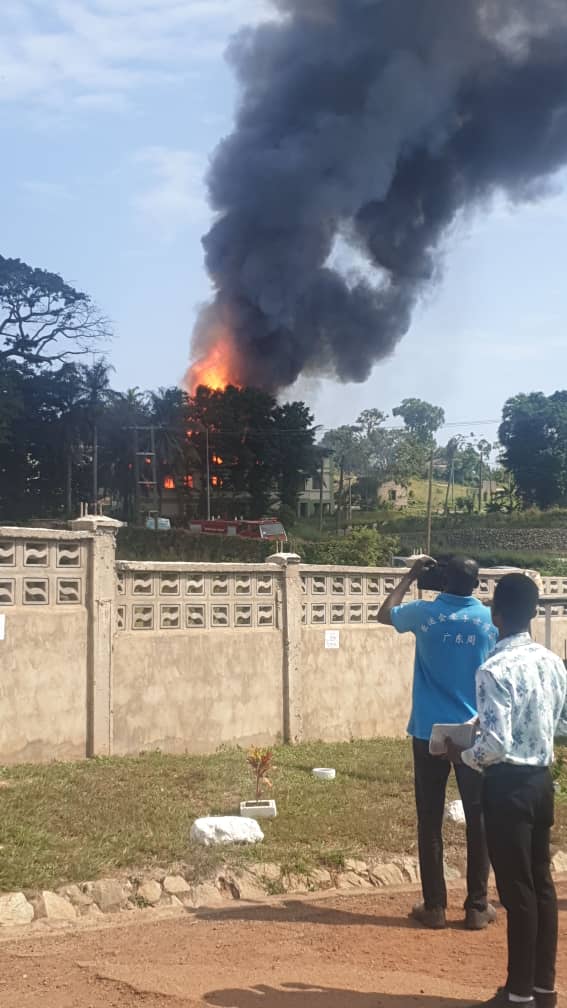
{"x": 174, "y": 197}
{"x": 53, "y": 49}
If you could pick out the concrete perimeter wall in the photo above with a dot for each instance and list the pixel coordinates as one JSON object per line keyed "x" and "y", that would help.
{"x": 101, "y": 657}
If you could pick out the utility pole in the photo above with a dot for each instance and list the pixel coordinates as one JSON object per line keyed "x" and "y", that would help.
{"x": 480, "y": 475}
{"x": 95, "y": 465}
{"x": 208, "y": 474}
{"x": 430, "y": 503}
{"x": 321, "y": 494}
{"x": 136, "y": 478}
{"x": 156, "y": 493}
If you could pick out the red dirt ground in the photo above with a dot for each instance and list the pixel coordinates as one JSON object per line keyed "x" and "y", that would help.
{"x": 337, "y": 952}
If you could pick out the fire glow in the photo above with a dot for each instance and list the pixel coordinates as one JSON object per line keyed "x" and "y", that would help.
{"x": 218, "y": 367}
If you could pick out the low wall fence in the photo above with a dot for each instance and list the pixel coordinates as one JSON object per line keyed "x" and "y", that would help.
{"x": 103, "y": 657}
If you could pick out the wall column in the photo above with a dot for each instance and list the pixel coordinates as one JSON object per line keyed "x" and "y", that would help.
{"x": 292, "y": 605}
{"x": 100, "y": 606}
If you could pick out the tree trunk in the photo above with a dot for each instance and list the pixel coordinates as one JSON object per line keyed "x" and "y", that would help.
{"x": 429, "y": 505}
{"x": 95, "y": 466}
{"x": 69, "y": 482}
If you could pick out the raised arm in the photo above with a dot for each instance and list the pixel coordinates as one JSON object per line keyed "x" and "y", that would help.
{"x": 396, "y": 597}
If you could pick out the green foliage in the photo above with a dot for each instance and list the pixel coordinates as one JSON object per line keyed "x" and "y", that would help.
{"x": 68, "y": 822}
{"x": 179, "y": 545}
{"x": 533, "y": 434}
{"x": 421, "y": 418}
{"x": 363, "y": 547}
{"x": 43, "y": 320}
{"x": 261, "y": 763}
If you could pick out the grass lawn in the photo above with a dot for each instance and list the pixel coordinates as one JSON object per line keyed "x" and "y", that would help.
{"x": 71, "y": 822}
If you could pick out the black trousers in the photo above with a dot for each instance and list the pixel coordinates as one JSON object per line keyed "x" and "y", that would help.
{"x": 431, "y": 776}
{"x": 518, "y": 804}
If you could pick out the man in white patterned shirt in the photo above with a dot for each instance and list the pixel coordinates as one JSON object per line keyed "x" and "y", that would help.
{"x": 521, "y": 700}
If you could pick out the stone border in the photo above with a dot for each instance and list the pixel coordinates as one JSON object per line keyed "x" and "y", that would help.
{"x": 160, "y": 889}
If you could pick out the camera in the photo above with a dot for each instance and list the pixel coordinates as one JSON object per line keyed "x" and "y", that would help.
{"x": 432, "y": 577}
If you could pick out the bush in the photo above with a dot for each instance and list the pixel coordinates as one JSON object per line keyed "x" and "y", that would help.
{"x": 362, "y": 548}
{"x": 181, "y": 546}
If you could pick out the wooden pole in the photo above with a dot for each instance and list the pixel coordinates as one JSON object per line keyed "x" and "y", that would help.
{"x": 429, "y": 504}
{"x": 321, "y": 496}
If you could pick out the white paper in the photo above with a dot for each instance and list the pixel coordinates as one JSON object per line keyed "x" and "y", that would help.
{"x": 2, "y": 626}
{"x": 332, "y": 640}
{"x": 462, "y": 735}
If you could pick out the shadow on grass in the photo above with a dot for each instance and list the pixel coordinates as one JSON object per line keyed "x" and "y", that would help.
{"x": 304, "y": 996}
{"x": 289, "y": 911}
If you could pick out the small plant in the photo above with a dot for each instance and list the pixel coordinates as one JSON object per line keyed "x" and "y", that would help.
{"x": 260, "y": 762}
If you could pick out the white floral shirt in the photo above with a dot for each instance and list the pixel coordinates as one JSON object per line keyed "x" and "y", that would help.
{"x": 521, "y": 698}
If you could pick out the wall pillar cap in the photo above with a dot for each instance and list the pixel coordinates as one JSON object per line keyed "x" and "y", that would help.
{"x": 284, "y": 559}
{"x": 95, "y": 523}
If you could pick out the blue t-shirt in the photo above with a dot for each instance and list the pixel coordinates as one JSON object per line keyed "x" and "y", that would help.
{"x": 453, "y": 637}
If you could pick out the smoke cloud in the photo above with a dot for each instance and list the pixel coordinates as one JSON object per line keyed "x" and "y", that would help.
{"x": 376, "y": 121}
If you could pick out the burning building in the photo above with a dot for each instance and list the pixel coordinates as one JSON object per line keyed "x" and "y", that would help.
{"x": 373, "y": 123}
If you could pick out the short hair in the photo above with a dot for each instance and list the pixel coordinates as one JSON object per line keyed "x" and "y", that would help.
{"x": 461, "y": 575}
{"x": 516, "y": 598}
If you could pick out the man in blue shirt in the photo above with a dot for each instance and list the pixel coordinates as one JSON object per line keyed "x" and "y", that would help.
{"x": 454, "y": 635}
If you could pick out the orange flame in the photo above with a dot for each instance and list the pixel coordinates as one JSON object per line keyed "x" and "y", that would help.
{"x": 218, "y": 367}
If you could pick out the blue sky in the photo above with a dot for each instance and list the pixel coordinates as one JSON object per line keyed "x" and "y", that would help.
{"x": 110, "y": 111}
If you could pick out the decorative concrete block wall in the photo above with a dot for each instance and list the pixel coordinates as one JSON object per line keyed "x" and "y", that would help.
{"x": 101, "y": 657}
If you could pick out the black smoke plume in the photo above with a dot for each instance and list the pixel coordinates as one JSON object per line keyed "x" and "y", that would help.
{"x": 377, "y": 121}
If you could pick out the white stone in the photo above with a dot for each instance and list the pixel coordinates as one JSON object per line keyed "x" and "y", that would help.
{"x": 350, "y": 879}
{"x": 242, "y": 885}
{"x": 170, "y": 901}
{"x": 455, "y": 812}
{"x": 176, "y": 885}
{"x": 109, "y": 895}
{"x": 297, "y": 884}
{"x": 451, "y": 873}
{"x": 49, "y": 905}
{"x": 409, "y": 867}
{"x": 215, "y": 830}
{"x": 149, "y": 892}
{"x": 320, "y": 878}
{"x": 267, "y": 871}
{"x": 76, "y": 896}
{"x": 386, "y": 875}
{"x": 559, "y": 863}
{"x": 205, "y": 895}
{"x": 15, "y": 910}
{"x": 358, "y": 867}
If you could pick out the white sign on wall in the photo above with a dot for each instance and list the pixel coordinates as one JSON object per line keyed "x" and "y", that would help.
{"x": 2, "y": 625}
{"x": 332, "y": 640}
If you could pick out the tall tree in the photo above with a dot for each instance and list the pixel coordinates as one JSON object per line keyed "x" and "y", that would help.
{"x": 533, "y": 434}
{"x": 421, "y": 418}
{"x": 297, "y": 457}
{"x": 422, "y": 421}
{"x": 44, "y": 320}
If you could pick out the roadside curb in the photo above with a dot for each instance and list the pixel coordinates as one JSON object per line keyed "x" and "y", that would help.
{"x": 173, "y": 892}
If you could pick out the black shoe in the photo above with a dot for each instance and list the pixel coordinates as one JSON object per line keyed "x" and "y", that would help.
{"x": 545, "y": 1000}
{"x": 434, "y": 919}
{"x": 478, "y": 920}
{"x": 501, "y": 998}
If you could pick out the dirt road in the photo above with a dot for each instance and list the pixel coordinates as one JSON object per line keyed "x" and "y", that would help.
{"x": 340, "y": 952}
